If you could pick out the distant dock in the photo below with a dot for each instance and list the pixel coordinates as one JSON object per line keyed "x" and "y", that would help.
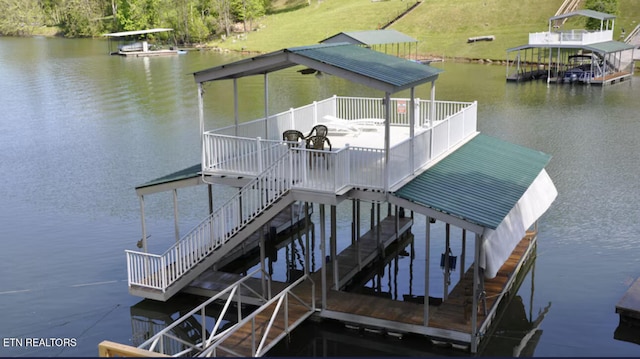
{"x": 629, "y": 305}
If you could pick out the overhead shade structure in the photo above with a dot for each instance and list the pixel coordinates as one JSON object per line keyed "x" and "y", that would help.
{"x": 494, "y": 188}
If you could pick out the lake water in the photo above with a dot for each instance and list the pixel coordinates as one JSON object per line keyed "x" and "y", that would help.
{"x": 80, "y": 129}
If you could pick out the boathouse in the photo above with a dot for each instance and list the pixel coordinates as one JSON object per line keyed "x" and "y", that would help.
{"x": 387, "y": 41}
{"x": 573, "y": 55}
{"x": 136, "y": 43}
{"x": 407, "y": 159}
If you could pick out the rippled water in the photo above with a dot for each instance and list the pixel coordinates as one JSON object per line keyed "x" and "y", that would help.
{"x": 80, "y": 129}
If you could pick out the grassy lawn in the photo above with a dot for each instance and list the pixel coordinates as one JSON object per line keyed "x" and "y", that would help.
{"x": 442, "y": 27}
{"x": 316, "y": 22}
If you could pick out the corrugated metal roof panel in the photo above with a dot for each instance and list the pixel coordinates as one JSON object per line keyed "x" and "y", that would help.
{"x": 589, "y": 13}
{"x": 480, "y": 182}
{"x": 190, "y": 172}
{"x": 389, "y": 69}
{"x": 370, "y": 37}
{"x": 352, "y": 62}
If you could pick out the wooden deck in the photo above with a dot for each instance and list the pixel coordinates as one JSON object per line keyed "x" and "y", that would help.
{"x": 449, "y": 321}
{"x": 611, "y": 78}
{"x": 452, "y": 316}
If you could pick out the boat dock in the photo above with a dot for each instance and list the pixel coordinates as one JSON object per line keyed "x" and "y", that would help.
{"x": 424, "y": 159}
{"x": 573, "y": 55}
{"x": 629, "y": 305}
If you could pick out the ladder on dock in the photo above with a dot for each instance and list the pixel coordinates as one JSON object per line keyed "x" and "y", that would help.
{"x": 249, "y": 336}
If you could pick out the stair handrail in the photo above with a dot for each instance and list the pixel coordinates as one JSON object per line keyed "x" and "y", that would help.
{"x": 280, "y": 299}
{"x": 232, "y": 291}
{"x": 196, "y": 247}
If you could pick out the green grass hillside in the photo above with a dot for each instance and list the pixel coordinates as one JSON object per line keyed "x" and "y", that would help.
{"x": 441, "y": 26}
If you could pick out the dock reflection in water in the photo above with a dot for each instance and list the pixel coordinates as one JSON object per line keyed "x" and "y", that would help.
{"x": 516, "y": 331}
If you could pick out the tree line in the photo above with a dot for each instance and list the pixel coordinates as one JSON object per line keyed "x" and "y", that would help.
{"x": 193, "y": 21}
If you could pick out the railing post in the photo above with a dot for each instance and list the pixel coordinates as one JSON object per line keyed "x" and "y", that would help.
{"x": 290, "y": 169}
{"x": 163, "y": 263}
{"x": 292, "y": 118}
{"x": 315, "y": 112}
{"x": 259, "y": 153}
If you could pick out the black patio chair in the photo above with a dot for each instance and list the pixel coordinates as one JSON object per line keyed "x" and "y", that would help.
{"x": 317, "y": 143}
{"x": 292, "y": 136}
{"x": 318, "y": 130}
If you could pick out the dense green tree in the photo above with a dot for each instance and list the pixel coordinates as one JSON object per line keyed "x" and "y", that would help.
{"x": 137, "y": 14}
{"x": 19, "y": 17}
{"x": 82, "y": 18}
{"x": 247, "y": 11}
{"x": 605, "y": 6}
{"x": 222, "y": 9}
{"x": 192, "y": 20}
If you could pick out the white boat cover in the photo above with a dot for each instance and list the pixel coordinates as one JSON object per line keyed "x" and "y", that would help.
{"x": 499, "y": 243}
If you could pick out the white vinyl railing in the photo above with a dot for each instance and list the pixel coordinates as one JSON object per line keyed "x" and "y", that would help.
{"x": 573, "y": 37}
{"x": 281, "y": 166}
{"x": 167, "y": 341}
{"x": 160, "y": 271}
{"x": 259, "y": 341}
{"x": 332, "y": 171}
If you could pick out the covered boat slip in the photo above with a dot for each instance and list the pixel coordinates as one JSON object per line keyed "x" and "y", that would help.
{"x": 136, "y": 44}
{"x": 577, "y": 55}
{"x": 423, "y": 156}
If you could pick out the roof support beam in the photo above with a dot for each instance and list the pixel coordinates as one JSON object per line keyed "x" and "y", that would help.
{"x": 430, "y": 212}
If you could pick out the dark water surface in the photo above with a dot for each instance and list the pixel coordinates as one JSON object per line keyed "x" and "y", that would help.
{"x": 80, "y": 129}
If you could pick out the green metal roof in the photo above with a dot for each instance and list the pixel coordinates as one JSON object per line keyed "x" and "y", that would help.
{"x": 187, "y": 173}
{"x": 479, "y": 183}
{"x": 370, "y": 37}
{"x": 609, "y": 46}
{"x": 588, "y": 13}
{"x": 352, "y": 62}
{"x": 606, "y": 47}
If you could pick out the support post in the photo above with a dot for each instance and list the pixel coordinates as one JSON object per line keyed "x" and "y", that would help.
{"x": 262, "y": 260}
{"x": 334, "y": 249}
{"x": 266, "y": 106}
{"x": 358, "y": 206}
{"x": 412, "y": 123}
{"x": 144, "y": 225}
{"x": 387, "y": 139}
{"x": 323, "y": 269}
{"x": 446, "y": 261}
{"x": 235, "y": 106}
{"x": 175, "y": 215}
{"x": 426, "y": 271}
{"x": 474, "y": 305}
{"x": 210, "y": 192}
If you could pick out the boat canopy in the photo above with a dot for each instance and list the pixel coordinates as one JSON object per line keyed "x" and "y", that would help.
{"x": 137, "y": 32}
